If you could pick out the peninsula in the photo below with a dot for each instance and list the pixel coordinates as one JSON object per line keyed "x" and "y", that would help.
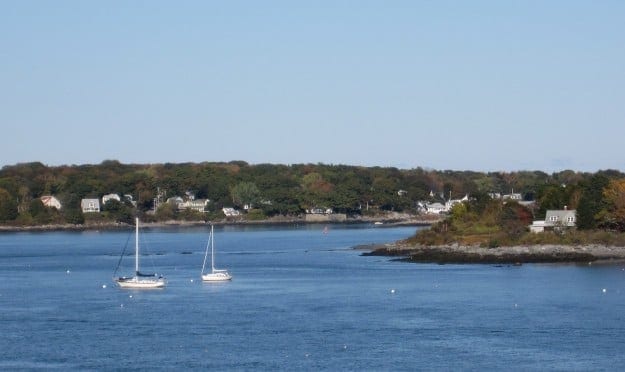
{"x": 515, "y": 255}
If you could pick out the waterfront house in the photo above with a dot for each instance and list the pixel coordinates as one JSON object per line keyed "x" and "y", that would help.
{"x": 176, "y": 201}
{"x": 90, "y": 205}
{"x": 555, "y": 220}
{"x": 198, "y": 205}
{"x": 108, "y": 197}
{"x": 230, "y": 212}
{"x": 51, "y": 202}
{"x": 435, "y": 208}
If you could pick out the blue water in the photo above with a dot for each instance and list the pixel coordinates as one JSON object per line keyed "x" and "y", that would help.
{"x": 299, "y": 300}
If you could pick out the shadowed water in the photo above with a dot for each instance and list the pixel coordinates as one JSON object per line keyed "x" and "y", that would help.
{"x": 299, "y": 300}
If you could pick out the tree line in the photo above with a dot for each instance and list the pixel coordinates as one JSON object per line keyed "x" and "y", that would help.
{"x": 290, "y": 190}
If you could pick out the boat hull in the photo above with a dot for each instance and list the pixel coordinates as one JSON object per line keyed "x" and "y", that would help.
{"x": 135, "y": 283}
{"x": 216, "y": 277}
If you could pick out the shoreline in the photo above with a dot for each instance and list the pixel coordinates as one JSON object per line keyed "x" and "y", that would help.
{"x": 112, "y": 226}
{"x": 515, "y": 255}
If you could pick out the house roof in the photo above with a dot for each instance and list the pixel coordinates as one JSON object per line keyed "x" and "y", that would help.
{"x": 560, "y": 216}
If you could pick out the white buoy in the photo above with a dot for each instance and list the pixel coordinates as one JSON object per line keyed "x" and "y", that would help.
{"x": 604, "y": 290}
{"x": 103, "y": 285}
{"x": 130, "y": 296}
{"x": 392, "y": 291}
{"x": 68, "y": 271}
{"x": 191, "y": 280}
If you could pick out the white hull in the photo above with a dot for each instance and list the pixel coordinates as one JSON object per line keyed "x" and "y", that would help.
{"x": 140, "y": 283}
{"x": 216, "y": 277}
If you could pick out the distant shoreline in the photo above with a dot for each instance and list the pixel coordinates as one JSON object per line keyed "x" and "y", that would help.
{"x": 390, "y": 222}
{"x": 515, "y": 255}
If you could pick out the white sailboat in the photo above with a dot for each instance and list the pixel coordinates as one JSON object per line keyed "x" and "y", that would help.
{"x": 215, "y": 275}
{"x": 139, "y": 280}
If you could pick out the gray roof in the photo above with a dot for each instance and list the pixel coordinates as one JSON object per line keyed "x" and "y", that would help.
{"x": 564, "y": 217}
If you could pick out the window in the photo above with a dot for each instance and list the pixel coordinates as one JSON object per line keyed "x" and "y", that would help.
{"x": 553, "y": 218}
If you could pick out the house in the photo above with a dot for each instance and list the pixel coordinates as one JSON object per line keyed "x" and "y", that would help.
{"x": 108, "y": 197}
{"x": 198, "y": 205}
{"x": 176, "y": 201}
{"x": 512, "y": 196}
{"x": 435, "y": 208}
{"x": 556, "y": 220}
{"x": 51, "y": 201}
{"x": 450, "y": 203}
{"x": 318, "y": 210}
{"x": 439, "y": 208}
{"x": 230, "y": 212}
{"x": 90, "y": 205}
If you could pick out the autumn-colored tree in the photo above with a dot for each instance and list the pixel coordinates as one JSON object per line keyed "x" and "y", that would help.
{"x": 613, "y": 215}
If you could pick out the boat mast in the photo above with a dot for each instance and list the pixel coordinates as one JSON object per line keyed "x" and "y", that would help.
{"x": 137, "y": 245}
{"x": 212, "y": 250}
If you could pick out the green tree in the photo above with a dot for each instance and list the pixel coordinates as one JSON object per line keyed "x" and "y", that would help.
{"x": 8, "y": 206}
{"x": 245, "y": 193}
{"x": 591, "y": 202}
{"x": 72, "y": 211}
{"x": 118, "y": 211}
{"x": 166, "y": 211}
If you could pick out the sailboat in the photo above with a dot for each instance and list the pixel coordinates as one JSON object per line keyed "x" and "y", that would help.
{"x": 139, "y": 280}
{"x": 215, "y": 275}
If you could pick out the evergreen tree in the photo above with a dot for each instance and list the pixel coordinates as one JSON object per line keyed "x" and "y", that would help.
{"x": 591, "y": 202}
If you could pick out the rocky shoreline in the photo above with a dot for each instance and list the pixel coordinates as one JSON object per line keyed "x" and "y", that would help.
{"x": 455, "y": 254}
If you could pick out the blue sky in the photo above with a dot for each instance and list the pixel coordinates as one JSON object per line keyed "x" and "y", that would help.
{"x": 462, "y": 85}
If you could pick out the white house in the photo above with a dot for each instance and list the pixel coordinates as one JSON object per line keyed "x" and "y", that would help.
{"x": 90, "y": 205}
{"x": 450, "y": 203}
{"x": 108, "y": 197}
{"x": 194, "y": 204}
{"x": 318, "y": 210}
{"x": 175, "y": 200}
{"x": 230, "y": 212}
{"x": 555, "y": 220}
{"x": 51, "y": 201}
{"x": 435, "y": 208}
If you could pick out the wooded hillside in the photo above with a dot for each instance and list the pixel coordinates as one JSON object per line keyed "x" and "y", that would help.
{"x": 289, "y": 190}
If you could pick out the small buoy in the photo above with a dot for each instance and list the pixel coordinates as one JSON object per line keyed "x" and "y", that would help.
{"x": 344, "y": 347}
{"x": 515, "y": 305}
{"x": 191, "y": 280}
{"x": 122, "y": 305}
{"x": 604, "y": 290}
{"x": 103, "y": 285}
{"x": 130, "y": 296}
{"x": 392, "y": 291}
{"x": 68, "y": 271}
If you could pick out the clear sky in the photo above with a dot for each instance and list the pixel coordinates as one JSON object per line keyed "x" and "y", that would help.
{"x": 463, "y": 85}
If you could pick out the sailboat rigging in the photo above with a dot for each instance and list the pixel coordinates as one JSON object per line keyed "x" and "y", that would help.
{"x": 215, "y": 275}
{"x": 139, "y": 280}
